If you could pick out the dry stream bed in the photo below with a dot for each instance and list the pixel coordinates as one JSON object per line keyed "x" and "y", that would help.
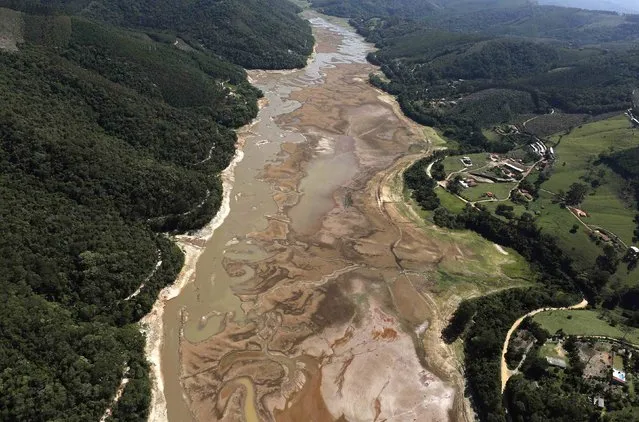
{"x": 312, "y": 299}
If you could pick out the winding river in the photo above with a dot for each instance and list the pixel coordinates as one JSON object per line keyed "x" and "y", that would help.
{"x": 310, "y": 301}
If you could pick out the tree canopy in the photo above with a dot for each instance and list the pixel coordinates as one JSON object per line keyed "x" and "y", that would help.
{"x": 109, "y": 139}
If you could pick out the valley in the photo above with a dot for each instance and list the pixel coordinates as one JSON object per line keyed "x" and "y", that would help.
{"x": 320, "y": 292}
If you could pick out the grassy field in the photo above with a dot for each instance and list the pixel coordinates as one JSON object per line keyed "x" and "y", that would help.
{"x": 453, "y": 163}
{"x": 607, "y": 204}
{"x": 449, "y": 201}
{"x": 436, "y": 138}
{"x": 482, "y": 270}
{"x": 584, "y": 323}
{"x": 553, "y": 219}
{"x": 517, "y": 208}
{"x": 500, "y": 190}
{"x": 576, "y": 156}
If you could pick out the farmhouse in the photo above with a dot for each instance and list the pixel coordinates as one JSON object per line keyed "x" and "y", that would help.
{"x": 618, "y": 376}
{"x": 578, "y": 212}
{"x": 634, "y": 250}
{"x": 471, "y": 182}
{"x": 467, "y": 161}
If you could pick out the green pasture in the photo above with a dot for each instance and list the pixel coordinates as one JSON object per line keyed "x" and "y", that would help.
{"x": 500, "y": 190}
{"x": 584, "y": 323}
{"x": 453, "y": 163}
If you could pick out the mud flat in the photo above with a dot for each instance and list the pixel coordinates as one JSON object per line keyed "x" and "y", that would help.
{"x": 312, "y": 299}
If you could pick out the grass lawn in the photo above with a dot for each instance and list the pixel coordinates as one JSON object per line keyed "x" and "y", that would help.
{"x": 549, "y": 349}
{"x": 501, "y": 191}
{"x": 491, "y": 135}
{"x": 558, "y": 221}
{"x": 585, "y": 323}
{"x": 450, "y": 201}
{"x": 483, "y": 269}
{"x": 576, "y": 155}
{"x": 518, "y": 208}
{"x": 618, "y": 362}
{"x": 453, "y": 163}
{"x": 435, "y": 137}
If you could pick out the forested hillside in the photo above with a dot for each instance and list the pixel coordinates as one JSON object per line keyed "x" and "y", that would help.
{"x": 468, "y": 64}
{"x": 251, "y": 33}
{"x": 108, "y": 140}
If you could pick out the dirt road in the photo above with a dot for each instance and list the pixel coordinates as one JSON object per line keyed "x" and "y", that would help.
{"x": 507, "y": 373}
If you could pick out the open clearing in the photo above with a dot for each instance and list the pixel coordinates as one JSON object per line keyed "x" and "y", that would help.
{"x": 576, "y": 157}
{"x": 453, "y": 163}
{"x": 584, "y": 323}
{"x": 477, "y": 193}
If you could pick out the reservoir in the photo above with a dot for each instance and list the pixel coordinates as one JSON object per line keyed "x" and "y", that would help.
{"x": 309, "y": 299}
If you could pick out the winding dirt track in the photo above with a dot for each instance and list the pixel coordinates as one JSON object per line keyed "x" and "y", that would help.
{"x": 507, "y": 373}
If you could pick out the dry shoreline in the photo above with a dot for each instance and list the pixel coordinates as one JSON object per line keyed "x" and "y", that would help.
{"x": 152, "y": 325}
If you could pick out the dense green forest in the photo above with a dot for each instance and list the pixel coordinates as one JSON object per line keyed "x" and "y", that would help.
{"x": 108, "y": 140}
{"x": 251, "y": 33}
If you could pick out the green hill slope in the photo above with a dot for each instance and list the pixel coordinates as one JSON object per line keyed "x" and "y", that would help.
{"x": 251, "y": 33}
{"x": 108, "y": 139}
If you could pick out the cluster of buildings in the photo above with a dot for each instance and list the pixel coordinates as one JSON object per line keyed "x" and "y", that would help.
{"x": 540, "y": 149}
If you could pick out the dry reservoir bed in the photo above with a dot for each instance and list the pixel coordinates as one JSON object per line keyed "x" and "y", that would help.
{"x": 311, "y": 301}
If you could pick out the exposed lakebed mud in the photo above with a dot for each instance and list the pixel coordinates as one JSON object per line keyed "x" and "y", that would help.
{"x": 310, "y": 301}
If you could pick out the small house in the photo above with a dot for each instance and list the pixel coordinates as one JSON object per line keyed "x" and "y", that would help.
{"x": 618, "y": 376}
{"x": 579, "y": 213}
{"x": 599, "y": 402}
{"x": 471, "y": 182}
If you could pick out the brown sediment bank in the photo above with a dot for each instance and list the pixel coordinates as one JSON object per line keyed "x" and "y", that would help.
{"x": 313, "y": 298}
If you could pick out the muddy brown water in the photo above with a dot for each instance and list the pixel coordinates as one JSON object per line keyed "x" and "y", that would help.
{"x": 302, "y": 307}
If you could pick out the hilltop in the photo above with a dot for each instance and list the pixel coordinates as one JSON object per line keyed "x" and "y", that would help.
{"x": 250, "y": 33}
